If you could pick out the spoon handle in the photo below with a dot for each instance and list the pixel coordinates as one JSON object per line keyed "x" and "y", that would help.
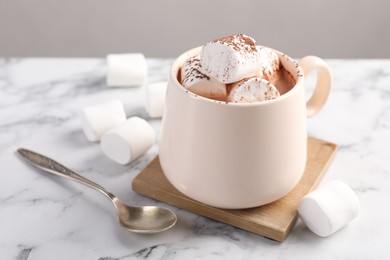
{"x": 49, "y": 165}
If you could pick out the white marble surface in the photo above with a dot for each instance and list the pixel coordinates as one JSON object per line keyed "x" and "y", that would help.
{"x": 45, "y": 217}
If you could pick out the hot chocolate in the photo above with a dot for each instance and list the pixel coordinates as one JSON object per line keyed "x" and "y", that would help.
{"x": 245, "y": 154}
{"x": 235, "y": 69}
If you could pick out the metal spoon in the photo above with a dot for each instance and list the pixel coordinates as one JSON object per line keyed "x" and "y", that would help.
{"x": 148, "y": 219}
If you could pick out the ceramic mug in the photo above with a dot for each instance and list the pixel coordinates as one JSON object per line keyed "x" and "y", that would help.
{"x": 239, "y": 155}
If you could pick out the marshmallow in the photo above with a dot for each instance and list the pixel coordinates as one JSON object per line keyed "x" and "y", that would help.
{"x": 128, "y": 141}
{"x": 252, "y": 90}
{"x": 199, "y": 83}
{"x": 231, "y": 59}
{"x": 126, "y": 69}
{"x": 96, "y": 120}
{"x": 155, "y": 98}
{"x": 270, "y": 63}
{"x": 329, "y": 208}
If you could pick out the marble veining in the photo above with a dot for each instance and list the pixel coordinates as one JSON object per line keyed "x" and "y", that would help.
{"x": 45, "y": 217}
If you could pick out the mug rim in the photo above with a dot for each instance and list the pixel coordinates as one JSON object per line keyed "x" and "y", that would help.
{"x": 297, "y": 74}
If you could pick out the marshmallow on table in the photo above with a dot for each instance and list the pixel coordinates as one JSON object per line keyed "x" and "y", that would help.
{"x": 126, "y": 69}
{"x": 155, "y": 98}
{"x": 96, "y": 120}
{"x": 128, "y": 141}
{"x": 252, "y": 90}
{"x": 199, "y": 83}
{"x": 231, "y": 59}
{"x": 329, "y": 208}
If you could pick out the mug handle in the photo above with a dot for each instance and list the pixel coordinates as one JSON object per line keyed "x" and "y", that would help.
{"x": 323, "y": 83}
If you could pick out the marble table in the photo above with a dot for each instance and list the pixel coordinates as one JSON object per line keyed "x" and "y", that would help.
{"x": 45, "y": 217}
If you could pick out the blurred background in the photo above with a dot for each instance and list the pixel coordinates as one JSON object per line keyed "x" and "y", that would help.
{"x": 166, "y": 28}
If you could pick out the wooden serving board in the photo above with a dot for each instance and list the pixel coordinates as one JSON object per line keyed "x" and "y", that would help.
{"x": 274, "y": 220}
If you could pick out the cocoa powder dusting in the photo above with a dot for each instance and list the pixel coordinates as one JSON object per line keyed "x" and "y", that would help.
{"x": 239, "y": 42}
{"x": 194, "y": 64}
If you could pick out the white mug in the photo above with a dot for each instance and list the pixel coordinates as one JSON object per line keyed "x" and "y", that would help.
{"x": 239, "y": 155}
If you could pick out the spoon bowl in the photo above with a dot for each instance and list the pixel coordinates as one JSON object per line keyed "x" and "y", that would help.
{"x": 147, "y": 219}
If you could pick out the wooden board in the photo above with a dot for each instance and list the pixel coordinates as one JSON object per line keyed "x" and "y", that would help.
{"x": 274, "y": 220}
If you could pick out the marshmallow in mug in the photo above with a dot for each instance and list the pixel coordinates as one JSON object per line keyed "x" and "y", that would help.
{"x": 125, "y": 70}
{"x": 252, "y": 90}
{"x": 199, "y": 83}
{"x": 329, "y": 208}
{"x": 270, "y": 63}
{"x": 128, "y": 141}
{"x": 233, "y": 58}
{"x": 98, "y": 119}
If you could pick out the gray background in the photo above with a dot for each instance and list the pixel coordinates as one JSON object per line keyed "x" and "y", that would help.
{"x": 158, "y": 28}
